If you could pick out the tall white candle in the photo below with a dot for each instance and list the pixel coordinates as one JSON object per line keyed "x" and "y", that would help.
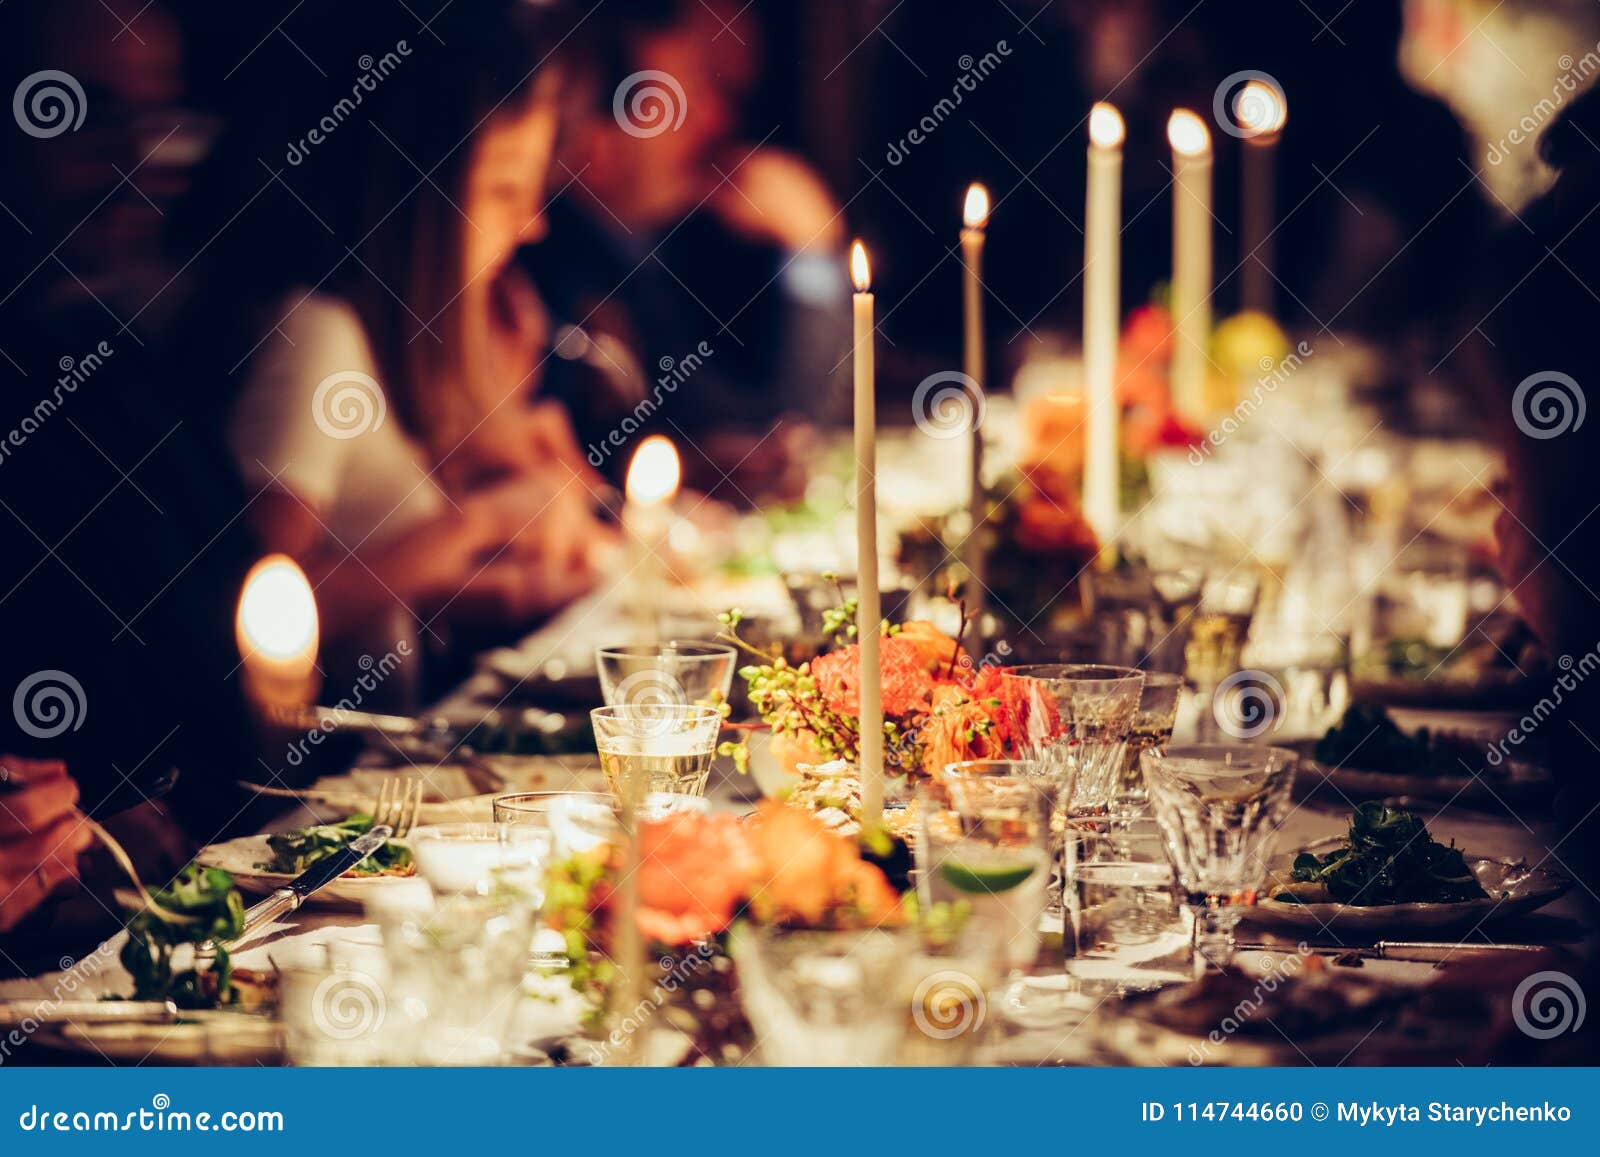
{"x": 1191, "y": 262}
{"x": 868, "y": 614}
{"x": 1102, "y": 259}
{"x": 974, "y": 217}
{"x": 1261, "y": 112}
{"x": 653, "y": 478}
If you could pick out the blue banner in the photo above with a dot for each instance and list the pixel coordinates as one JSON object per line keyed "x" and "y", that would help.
{"x": 265, "y": 1110}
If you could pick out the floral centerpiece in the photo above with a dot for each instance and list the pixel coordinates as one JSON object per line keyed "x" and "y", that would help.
{"x": 938, "y": 707}
{"x": 697, "y": 876}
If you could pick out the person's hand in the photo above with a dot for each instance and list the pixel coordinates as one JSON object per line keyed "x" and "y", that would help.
{"x": 519, "y": 331}
{"x": 775, "y": 197}
{"x": 525, "y": 439}
{"x": 41, "y": 834}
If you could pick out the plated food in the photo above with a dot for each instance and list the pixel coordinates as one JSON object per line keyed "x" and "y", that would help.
{"x": 1388, "y": 875}
{"x": 1367, "y": 756}
{"x": 262, "y": 864}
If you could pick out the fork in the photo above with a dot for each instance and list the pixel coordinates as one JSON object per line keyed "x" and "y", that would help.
{"x": 398, "y": 806}
{"x": 394, "y": 814}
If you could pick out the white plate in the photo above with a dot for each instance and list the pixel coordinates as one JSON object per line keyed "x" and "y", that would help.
{"x": 241, "y": 858}
{"x": 200, "y": 1038}
{"x": 1514, "y": 890}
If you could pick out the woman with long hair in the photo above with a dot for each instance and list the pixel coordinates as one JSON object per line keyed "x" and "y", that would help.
{"x": 376, "y": 342}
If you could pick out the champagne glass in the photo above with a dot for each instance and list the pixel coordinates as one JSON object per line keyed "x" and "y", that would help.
{"x": 1152, "y": 727}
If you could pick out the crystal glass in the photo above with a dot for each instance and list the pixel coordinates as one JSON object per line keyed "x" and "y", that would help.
{"x": 1152, "y": 727}
{"x": 481, "y": 859}
{"x": 1050, "y": 781}
{"x": 983, "y": 852}
{"x": 650, "y": 747}
{"x": 333, "y": 1003}
{"x": 455, "y": 972}
{"x": 1125, "y": 930}
{"x": 1219, "y": 806}
{"x": 1219, "y": 626}
{"x": 673, "y": 673}
{"x": 824, "y": 998}
{"x": 1075, "y": 719}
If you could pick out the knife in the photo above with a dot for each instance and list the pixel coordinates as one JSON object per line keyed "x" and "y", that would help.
{"x": 43, "y": 1011}
{"x": 295, "y": 893}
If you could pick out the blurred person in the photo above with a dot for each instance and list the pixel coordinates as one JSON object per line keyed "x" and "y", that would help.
{"x": 125, "y": 547}
{"x": 377, "y": 342}
{"x": 41, "y": 835}
{"x": 716, "y": 262}
{"x": 1527, "y": 345}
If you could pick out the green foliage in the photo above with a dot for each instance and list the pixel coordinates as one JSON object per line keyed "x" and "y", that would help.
{"x": 1388, "y": 858}
{"x": 294, "y": 852}
{"x": 214, "y": 912}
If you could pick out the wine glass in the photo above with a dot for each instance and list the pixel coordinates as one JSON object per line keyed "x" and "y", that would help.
{"x": 1219, "y": 806}
{"x": 1075, "y": 719}
{"x": 672, "y": 673}
{"x": 650, "y": 747}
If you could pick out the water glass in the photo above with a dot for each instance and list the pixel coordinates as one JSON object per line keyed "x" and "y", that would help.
{"x": 1050, "y": 781}
{"x": 1075, "y": 718}
{"x": 983, "y": 851}
{"x": 656, "y": 747}
{"x": 1219, "y": 806}
{"x": 672, "y": 673}
{"x": 824, "y": 998}
{"x": 455, "y": 972}
{"x": 1125, "y": 930}
{"x": 481, "y": 859}
{"x": 1152, "y": 727}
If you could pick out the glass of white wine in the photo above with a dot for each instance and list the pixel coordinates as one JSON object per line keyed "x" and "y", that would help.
{"x": 656, "y": 747}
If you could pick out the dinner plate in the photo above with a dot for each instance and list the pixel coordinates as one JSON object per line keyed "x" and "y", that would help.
{"x": 1515, "y": 780}
{"x": 242, "y": 858}
{"x": 200, "y": 1038}
{"x": 1514, "y": 889}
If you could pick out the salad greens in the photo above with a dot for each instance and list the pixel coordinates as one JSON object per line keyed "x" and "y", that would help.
{"x": 215, "y": 912}
{"x": 1368, "y": 739}
{"x": 1387, "y": 858}
{"x": 294, "y": 852}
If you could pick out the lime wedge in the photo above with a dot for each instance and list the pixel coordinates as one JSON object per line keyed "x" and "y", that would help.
{"x": 989, "y": 878}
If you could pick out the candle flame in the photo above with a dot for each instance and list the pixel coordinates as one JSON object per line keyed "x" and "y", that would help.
{"x": 1105, "y": 126}
{"x": 1187, "y": 133}
{"x": 860, "y": 272}
{"x": 277, "y": 610}
{"x": 654, "y": 473}
{"x": 1261, "y": 108}
{"x": 975, "y": 213}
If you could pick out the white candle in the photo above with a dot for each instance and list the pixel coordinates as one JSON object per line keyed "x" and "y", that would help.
{"x": 653, "y": 478}
{"x": 1261, "y": 112}
{"x": 1102, "y": 256}
{"x": 277, "y": 631}
{"x": 974, "y": 216}
{"x": 868, "y": 614}
{"x": 1191, "y": 262}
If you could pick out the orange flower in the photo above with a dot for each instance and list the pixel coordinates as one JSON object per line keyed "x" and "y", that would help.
{"x": 934, "y": 647}
{"x": 907, "y": 686}
{"x": 693, "y": 872}
{"x": 808, "y": 876}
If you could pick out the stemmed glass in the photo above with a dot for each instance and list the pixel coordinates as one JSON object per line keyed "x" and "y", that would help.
{"x": 1152, "y": 727}
{"x": 1219, "y": 806}
{"x": 1217, "y": 633}
{"x": 1075, "y": 718}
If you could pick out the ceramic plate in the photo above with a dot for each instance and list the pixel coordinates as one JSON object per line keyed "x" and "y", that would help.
{"x": 1514, "y": 890}
{"x": 242, "y": 859}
